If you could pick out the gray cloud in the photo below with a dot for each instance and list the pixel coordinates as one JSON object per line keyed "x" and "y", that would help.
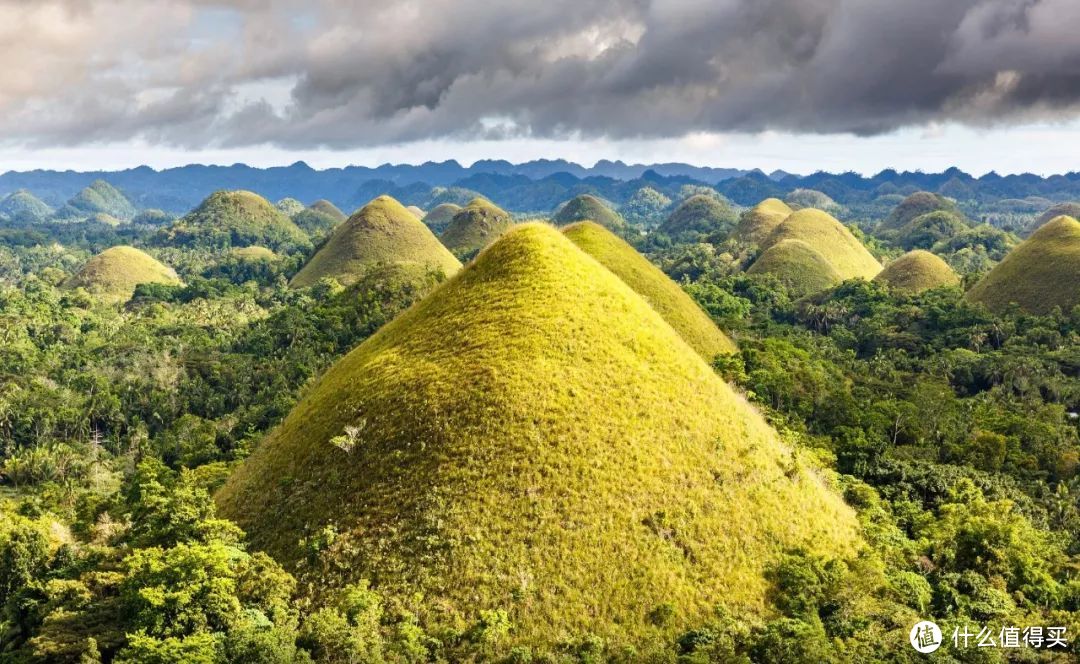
{"x": 197, "y": 73}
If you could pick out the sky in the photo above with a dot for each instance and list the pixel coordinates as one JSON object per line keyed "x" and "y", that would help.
{"x": 799, "y": 85}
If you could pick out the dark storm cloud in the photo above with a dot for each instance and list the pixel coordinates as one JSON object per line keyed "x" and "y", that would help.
{"x": 344, "y": 74}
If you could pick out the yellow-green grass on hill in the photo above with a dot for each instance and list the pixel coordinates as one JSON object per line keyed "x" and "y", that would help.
{"x": 113, "y": 274}
{"x": 758, "y": 222}
{"x": 700, "y": 214}
{"x": 532, "y": 436}
{"x": 319, "y": 219}
{"x": 1041, "y": 273}
{"x": 440, "y": 216}
{"x": 381, "y": 232}
{"x": 1066, "y": 209}
{"x": 915, "y": 205}
{"x": 917, "y": 271}
{"x": 475, "y": 226}
{"x": 590, "y": 208}
{"x": 820, "y": 231}
{"x": 797, "y": 265}
{"x": 236, "y": 219}
{"x": 648, "y": 281}
{"x": 254, "y": 254}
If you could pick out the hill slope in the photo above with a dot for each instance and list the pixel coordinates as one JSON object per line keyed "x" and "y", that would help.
{"x": 917, "y": 271}
{"x": 99, "y": 197}
{"x": 24, "y": 206}
{"x": 440, "y": 216}
{"x": 798, "y": 266}
{"x": 381, "y": 232}
{"x": 700, "y": 214}
{"x": 113, "y": 274}
{"x": 590, "y": 208}
{"x": 915, "y": 205}
{"x": 829, "y": 238}
{"x": 474, "y": 226}
{"x": 236, "y": 219}
{"x": 319, "y": 218}
{"x": 1041, "y": 273}
{"x": 758, "y": 222}
{"x": 1067, "y": 209}
{"x": 533, "y": 436}
{"x": 664, "y": 295}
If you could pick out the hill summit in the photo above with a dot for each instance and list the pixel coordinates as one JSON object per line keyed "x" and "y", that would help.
{"x": 916, "y": 205}
{"x": 113, "y": 274}
{"x": 590, "y": 208}
{"x": 758, "y": 222}
{"x": 25, "y": 207}
{"x": 666, "y": 297}
{"x": 99, "y": 198}
{"x": 828, "y": 237}
{"x": 1066, "y": 209}
{"x": 474, "y": 226}
{"x": 236, "y": 219}
{"x": 917, "y": 271}
{"x": 319, "y": 218}
{"x": 440, "y": 216}
{"x": 383, "y": 232}
{"x": 698, "y": 215}
{"x": 532, "y": 436}
{"x": 797, "y": 265}
{"x": 1041, "y": 273}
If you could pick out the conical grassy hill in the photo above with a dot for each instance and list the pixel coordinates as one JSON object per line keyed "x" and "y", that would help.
{"x": 382, "y": 232}
{"x": 915, "y": 205}
{"x": 758, "y": 222}
{"x": 1067, "y": 209}
{"x": 440, "y": 216}
{"x": 254, "y": 254}
{"x": 917, "y": 271}
{"x": 798, "y": 266}
{"x": 701, "y": 215}
{"x": 1041, "y": 273}
{"x": 113, "y": 274}
{"x": 319, "y": 219}
{"x": 823, "y": 233}
{"x": 235, "y": 219}
{"x": 475, "y": 226}
{"x": 99, "y": 197}
{"x": 666, "y": 297}
{"x": 532, "y": 436}
{"x": 24, "y": 206}
{"x": 590, "y": 208}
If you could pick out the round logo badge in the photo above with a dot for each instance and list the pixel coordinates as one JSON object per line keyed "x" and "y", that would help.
{"x": 925, "y": 637}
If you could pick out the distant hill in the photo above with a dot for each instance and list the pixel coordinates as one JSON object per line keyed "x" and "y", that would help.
{"x": 1067, "y": 209}
{"x": 290, "y": 206}
{"x": 533, "y": 434}
{"x": 646, "y": 206}
{"x": 383, "y": 232}
{"x": 113, "y": 274}
{"x": 758, "y": 222}
{"x": 236, "y": 219}
{"x": 474, "y": 226}
{"x": 99, "y": 197}
{"x": 440, "y": 216}
{"x": 25, "y": 207}
{"x": 1041, "y": 273}
{"x": 926, "y": 230}
{"x": 917, "y": 271}
{"x": 648, "y": 281}
{"x": 416, "y": 211}
{"x": 828, "y": 237}
{"x": 797, "y": 265}
{"x": 798, "y": 199}
{"x": 913, "y": 206}
{"x": 699, "y": 215}
{"x": 318, "y": 219}
{"x": 590, "y": 208}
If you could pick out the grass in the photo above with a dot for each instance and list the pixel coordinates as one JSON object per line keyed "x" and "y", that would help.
{"x": 917, "y": 271}
{"x": 1067, "y": 209}
{"x": 828, "y": 237}
{"x": 319, "y": 219}
{"x": 24, "y": 205}
{"x": 475, "y": 226}
{"x": 440, "y": 216}
{"x": 915, "y": 205}
{"x": 798, "y": 199}
{"x": 700, "y": 214}
{"x": 326, "y": 207}
{"x": 648, "y": 281}
{"x": 1041, "y": 273}
{"x": 113, "y": 274}
{"x": 927, "y": 229}
{"x": 758, "y": 222}
{"x": 590, "y": 208}
{"x": 533, "y": 436}
{"x": 99, "y": 197}
{"x": 381, "y": 232}
{"x": 236, "y": 219}
{"x": 254, "y": 254}
{"x": 798, "y": 266}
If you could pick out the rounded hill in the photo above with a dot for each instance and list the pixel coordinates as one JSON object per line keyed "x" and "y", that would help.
{"x": 915, "y": 205}
{"x": 701, "y": 214}
{"x": 797, "y": 265}
{"x": 1066, "y": 209}
{"x": 475, "y": 226}
{"x": 798, "y": 199}
{"x": 25, "y": 207}
{"x": 440, "y": 216}
{"x": 589, "y": 208}
{"x": 99, "y": 197}
{"x": 758, "y": 222}
{"x": 113, "y": 274}
{"x": 532, "y": 436}
{"x": 236, "y": 219}
{"x": 828, "y": 237}
{"x": 1041, "y": 273}
{"x": 648, "y": 281}
{"x": 917, "y": 271}
{"x": 254, "y": 254}
{"x": 926, "y": 230}
{"x": 319, "y": 218}
{"x": 382, "y": 232}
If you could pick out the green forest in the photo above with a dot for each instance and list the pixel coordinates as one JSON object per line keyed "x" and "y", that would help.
{"x": 682, "y": 427}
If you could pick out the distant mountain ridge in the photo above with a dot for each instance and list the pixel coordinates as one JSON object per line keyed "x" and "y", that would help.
{"x": 530, "y": 186}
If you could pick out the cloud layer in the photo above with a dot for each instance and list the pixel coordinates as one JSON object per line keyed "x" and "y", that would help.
{"x": 198, "y": 74}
